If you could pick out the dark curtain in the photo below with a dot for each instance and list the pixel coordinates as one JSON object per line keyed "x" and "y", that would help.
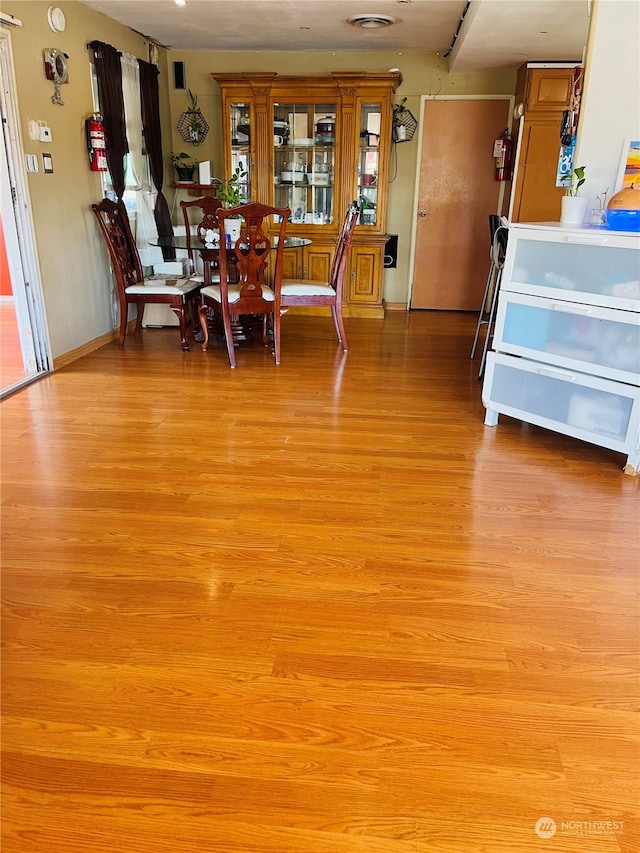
{"x": 149, "y": 96}
{"x": 109, "y": 74}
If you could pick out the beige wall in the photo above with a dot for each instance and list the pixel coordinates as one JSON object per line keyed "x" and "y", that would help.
{"x": 610, "y": 111}
{"x": 423, "y": 74}
{"x": 75, "y": 275}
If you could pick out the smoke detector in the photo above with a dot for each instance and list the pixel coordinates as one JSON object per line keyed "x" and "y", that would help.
{"x": 372, "y": 21}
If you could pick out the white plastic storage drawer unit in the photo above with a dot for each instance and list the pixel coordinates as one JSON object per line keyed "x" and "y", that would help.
{"x": 596, "y": 410}
{"x": 567, "y": 336}
{"x": 599, "y": 341}
{"x": 590, "y": 266}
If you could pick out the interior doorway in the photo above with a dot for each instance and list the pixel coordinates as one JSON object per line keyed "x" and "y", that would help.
{"x": 24, "y": 331}
{"x": 456, "y": 194}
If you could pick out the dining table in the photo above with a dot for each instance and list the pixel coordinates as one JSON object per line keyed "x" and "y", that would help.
{"x": 210, "y": 253}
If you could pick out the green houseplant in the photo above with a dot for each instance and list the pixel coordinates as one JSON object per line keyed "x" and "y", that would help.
{"x": 574, "y": 207}
{"x": 576, "y": 181}
{"x": 230, "y": 191}
{"x": 184, "y": 166}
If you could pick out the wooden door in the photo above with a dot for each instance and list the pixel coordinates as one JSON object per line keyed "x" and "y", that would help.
{"x": 457, "y": 194}
{"x": 536, "y": 197}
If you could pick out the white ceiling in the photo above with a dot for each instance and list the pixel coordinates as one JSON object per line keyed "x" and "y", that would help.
{"x": 495, "y": 33}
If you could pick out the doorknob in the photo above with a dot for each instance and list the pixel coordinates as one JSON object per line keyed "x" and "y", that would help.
{"x": 423, "y": 213}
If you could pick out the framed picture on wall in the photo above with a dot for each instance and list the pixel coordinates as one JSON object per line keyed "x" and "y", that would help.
{"x": 629, "y": 172}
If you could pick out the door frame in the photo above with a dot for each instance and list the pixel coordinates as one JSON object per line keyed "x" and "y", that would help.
{"x": 416, "y": 189}
{"x": 17, "y": 218}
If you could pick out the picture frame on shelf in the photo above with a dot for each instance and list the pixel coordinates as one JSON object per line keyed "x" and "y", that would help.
{"x": 629, "y": 170}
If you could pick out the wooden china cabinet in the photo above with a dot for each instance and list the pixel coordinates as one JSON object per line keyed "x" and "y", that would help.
{"x": 315, "y": 144}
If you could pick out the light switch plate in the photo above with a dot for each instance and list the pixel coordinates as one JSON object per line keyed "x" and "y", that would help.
{"x": 47, "y": 164}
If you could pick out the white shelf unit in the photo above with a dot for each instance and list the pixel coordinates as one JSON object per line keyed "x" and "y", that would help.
{"x": 566, "y": 346}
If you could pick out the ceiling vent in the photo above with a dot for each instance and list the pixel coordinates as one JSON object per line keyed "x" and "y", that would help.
{"x": 371, "y": 21}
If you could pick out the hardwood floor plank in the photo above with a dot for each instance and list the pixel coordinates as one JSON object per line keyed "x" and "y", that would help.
{"x": 311, "y": 607}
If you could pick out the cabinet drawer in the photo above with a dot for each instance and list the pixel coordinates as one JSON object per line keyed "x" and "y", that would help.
{"x": 595, "y": 410}
{"x": 578, "y": 266}
{"x": 599, "y": 341}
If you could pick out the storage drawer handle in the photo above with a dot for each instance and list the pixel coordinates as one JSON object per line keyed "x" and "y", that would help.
{"x": 548, "y": 371}
{"x": 591, "y": 241}
{"x": 571, "y": 309}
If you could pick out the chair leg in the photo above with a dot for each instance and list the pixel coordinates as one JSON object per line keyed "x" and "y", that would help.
{"x": 338, "y": 323}
{"x": 490, "y": 322}
{"x": 276, "y": 336}
{"x": 204, "y": 325}
{"x": 139, "y": 315}
{"x": 124, "y": 313}
{"x": 484, "y": 308}
{"x": 194, "y": 304}
{"x": 180, "y": 313}
{"x": 228, "y": 336}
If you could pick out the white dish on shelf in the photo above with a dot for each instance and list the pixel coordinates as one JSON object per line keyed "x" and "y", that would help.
{"x": 304, "y": 141}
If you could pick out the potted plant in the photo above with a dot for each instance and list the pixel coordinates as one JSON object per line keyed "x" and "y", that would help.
{"x": 184, "y": 166}
{"x": 192, "y": 125}
{"x": 403, "y": 123}
{"x": 574, "y": 206}
{"x": 230, "y": 192}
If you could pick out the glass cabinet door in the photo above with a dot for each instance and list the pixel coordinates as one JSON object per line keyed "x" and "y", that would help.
{"x": 241, "y": 142}
{"x": 368, "y": 162}
{"x": 304, "y": 137}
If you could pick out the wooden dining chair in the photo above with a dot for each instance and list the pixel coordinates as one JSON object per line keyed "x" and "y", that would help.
{"x": 301, "y": 291}
{"x": 243, "y": 273}
{"x": 180, "y": 294}
{"x": 200, "y": 217}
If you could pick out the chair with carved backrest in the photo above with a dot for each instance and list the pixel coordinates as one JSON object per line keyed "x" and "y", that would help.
{"x": 243, "y": 273}
{"x": 201, "y": 227}
{"x": 133, "y": 288}
{"x": 328, "y": 293}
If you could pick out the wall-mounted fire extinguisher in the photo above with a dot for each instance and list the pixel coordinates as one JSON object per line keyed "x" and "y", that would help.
{"x": 96, "y": 143}
{"x": 503, "y": 153}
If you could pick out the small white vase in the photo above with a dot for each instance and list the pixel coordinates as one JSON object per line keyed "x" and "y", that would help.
{"x": 232, "y": 228}
{"x": 574, "y": 209}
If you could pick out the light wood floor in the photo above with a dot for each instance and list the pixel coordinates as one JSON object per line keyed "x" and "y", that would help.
{"x": 318, "y": 608}
{"x": 11, "y": 363}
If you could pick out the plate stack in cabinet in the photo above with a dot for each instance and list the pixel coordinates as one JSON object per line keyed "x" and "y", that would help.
{"x": 314, "y": 144}
{"x": 566, "y": 347}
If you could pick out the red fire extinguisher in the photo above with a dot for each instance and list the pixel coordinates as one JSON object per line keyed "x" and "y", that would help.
{"x": 96, "y": 143}
{"x": 502, "y": 152}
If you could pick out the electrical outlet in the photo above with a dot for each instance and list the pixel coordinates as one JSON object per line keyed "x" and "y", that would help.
{"x": 32, "y": 162}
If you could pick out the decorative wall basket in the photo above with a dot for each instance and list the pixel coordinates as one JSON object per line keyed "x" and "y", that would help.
{"x": 404, "y": 124}
{"x": 193, "y": 127}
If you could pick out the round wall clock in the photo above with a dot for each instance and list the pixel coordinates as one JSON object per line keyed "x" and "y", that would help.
{"x": 56, "y": 18}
